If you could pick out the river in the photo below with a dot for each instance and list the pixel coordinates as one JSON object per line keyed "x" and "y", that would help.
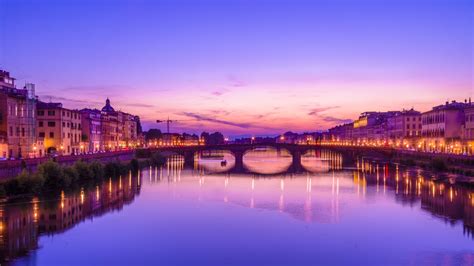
{"x": 362, "y": 212}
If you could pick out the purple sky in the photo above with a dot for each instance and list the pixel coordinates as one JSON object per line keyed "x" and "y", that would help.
{"x": 242, "y": 67}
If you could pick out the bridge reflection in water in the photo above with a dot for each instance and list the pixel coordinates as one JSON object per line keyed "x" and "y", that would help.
{"x": 260, "y": 160}
{"x": 325, "y": 177}
{"x": 242, "y": 155}
{"x": 329, "y": 190}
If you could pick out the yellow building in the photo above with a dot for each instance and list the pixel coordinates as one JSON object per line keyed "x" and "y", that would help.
{"x": 60, "y": 128}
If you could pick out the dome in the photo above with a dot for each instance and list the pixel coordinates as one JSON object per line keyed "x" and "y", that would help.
{"x": 108, "y": 108}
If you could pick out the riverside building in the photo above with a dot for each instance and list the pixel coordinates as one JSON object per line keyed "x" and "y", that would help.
{"x": 442, "y": 127}
{"x": 60, "y": 128}
{"x": 17, "y": 119}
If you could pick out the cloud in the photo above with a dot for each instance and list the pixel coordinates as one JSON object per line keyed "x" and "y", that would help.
{"x": 219, "y": 112}
{"x": 64, "y": 99}
{"x": 220, "y": 92}
{"x": 335, "y": 120}
{"x": 236, "y": 82}
{"x": 140, "y": 105}
{"x": 319, "y": 110}
{"x": 200, "y": 117}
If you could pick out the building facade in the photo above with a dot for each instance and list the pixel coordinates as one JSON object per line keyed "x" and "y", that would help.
{"x": 17, "y": 119}
{"x": 110, "y": 130}
{"x": 442, "y": 127}
{"x": 92, "y": 130}
{"x": 60, "y": 127}
{"x": 404, "y": 128}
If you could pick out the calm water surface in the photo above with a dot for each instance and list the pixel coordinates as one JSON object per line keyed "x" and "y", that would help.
{"x": 345, "y": 213}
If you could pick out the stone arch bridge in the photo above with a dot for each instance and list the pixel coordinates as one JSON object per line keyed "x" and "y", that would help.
{"x": 239, "y": 150}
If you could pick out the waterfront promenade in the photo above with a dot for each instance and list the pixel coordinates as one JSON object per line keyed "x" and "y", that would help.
{"x": 10, "y": 168}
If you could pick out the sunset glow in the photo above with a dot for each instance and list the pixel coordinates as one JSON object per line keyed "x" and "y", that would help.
{"x": 243, "y": 67}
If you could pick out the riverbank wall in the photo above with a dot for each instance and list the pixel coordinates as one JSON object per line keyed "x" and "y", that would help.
{"x": 9, "y": 169}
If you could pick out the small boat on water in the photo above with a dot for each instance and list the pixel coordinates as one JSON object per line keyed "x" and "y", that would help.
{"x": 223, "y": 163}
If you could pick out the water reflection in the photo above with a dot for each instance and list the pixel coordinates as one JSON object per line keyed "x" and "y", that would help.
{"x": 319, "y": 161}
{"x": 22, "y": 223}
{"x": 215, "y": 161}
{"x": 316, "y": 196}
{"x": 324, "y": 208}
{"x": 267, "y": 160}
{"x": 449, "y": 202}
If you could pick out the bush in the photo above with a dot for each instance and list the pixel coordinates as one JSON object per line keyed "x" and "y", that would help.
{"x": 29, "y": 183}
{"x": 52, "y": 174}
{"x": 70, "y": 175}
{"x": 83, "y": 170}
{"x": 97, "y": 170}
{"x": 114, "y": 169}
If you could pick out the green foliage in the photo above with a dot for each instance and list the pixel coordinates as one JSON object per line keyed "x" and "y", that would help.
{"x": 114, "y": 169}
{"x": 70, "y": 175}
{"x": 29, "y": 183}
{"x": 53, "y": 175}
{"x": 83, "y": 170}
{"x": 97, "y": 170}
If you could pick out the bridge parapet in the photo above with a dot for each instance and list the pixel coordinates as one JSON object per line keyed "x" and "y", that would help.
{"x": 239, "y": 150}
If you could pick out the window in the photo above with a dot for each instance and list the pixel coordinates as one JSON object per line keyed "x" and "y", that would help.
{"x": 64, "y": 124}
{"x": 41, "y": 124}
{"x": 51, "y": 124}
{"x": 64, "y": 113}
{"x": 11, "y": 131}
{"x": 41, "y": 134}
{"x": 22, "y": 131}
{"x": 51, "y": 135}
{"x": 51, "y": 113}
{"x": 17, "y": 131}
{"x": 40, "y": 112}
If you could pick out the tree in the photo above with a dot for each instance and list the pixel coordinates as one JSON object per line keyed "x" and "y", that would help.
{"x": 215, "y": 138}
{"x": 153, "y": 134}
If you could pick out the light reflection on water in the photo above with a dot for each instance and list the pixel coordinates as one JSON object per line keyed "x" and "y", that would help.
{"x": 171, "y": 215}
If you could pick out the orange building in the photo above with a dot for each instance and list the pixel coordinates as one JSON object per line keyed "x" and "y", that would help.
{"x": 60, "y": 128}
